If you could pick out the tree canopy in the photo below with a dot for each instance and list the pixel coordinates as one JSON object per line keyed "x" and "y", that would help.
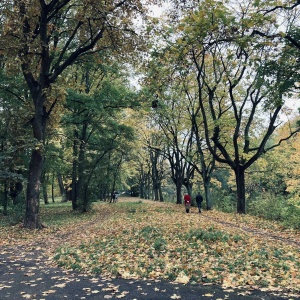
{"x": 102, "y": 96}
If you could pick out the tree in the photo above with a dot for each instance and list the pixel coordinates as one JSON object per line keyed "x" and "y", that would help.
{"x": 207, "y": 161}
{"x": 177, "y": 113}
{"x": 97, "y": 134}
{"x": 283, "y": 36}
{"x": 286, "y": 166}
{"x": 155, "y": 161}
{"x": 176, "y": 144}
{"x": 288, "y": 30}
{"x": 14, "y": 137}
{"x": 236, "y": 91}
{"x": 48, "y": 37}
{"x": 145, "y": 165}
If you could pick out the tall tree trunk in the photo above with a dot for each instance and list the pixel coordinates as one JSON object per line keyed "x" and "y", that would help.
{"x": 208, "y": 199}
{"x": 74, "y": 171}
{"x": 61, "y": 188}
{"x": 85, "y": 199}
{"x": 155, "y": 178}
{"x": 74, "y": 186}
{"x": 38, "y": 90}
{"x": 81, "y": 183}
{"x": 32, "y": 218}
{"x": 44, "y": 187}
{"x": 155, "y": 193}
{"x": 5, "y": 198}
{"x": 45, "y": 195}
{"x": 240, "y": 183}
{"x": 52, "y": 188}
{"x": 178, "y": 193}
{"x": 142, "y": 183}
{"x": 161, "y": 196}
{"x": 148, "y": 185}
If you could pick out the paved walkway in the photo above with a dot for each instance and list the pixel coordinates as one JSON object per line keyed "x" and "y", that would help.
{"x": 29, "y": 275}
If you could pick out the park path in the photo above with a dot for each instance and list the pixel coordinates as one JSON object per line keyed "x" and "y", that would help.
{"x": 27, "y": 272}
{"x": 292, "y": 239}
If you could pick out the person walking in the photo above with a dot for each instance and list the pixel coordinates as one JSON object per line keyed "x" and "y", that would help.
{"x": 199, "y": 200}
{"x": 116, "y": 196}
{"x": 187, "y": 202}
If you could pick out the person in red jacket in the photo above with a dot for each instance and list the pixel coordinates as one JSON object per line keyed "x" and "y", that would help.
{"x": 187, "y": 202}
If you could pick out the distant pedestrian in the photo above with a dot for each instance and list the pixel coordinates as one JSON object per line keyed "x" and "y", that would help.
{"x": 187, "y": 202}
{"x": 199, "y": 200}
{"x": 116, "y": 196}
{"x": 113, "y": 197}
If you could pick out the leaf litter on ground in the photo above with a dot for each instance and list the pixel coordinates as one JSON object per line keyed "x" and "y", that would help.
{"x": 147, "y": 239}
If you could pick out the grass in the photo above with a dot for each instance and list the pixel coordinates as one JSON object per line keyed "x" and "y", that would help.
{"x": 57, "y": 214}
{"x": 142, "y": 240}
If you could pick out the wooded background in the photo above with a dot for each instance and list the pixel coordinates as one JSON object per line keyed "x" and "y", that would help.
{"x": 98, "y": 96}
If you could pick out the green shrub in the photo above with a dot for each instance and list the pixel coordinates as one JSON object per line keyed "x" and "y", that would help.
{"x": 16, "y": 212}
{"x": 210, "y": 235}
{"x": 291, "y": 216}
{"x": 276, "y": 208}
{"x": 225, "y": 203}
{"x": 159, "y": 244}
{"x": 267, "y": 206}
{"x": 149, "y": 232}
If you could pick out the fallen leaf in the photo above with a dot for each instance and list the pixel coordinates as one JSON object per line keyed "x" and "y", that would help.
{"x": 174, "y": 296}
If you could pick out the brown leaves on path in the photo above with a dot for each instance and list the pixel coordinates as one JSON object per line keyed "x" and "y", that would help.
{"x": 158, "y": 240}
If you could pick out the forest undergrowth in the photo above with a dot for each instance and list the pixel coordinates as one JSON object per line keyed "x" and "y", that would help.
{"x": 152, "y": 240}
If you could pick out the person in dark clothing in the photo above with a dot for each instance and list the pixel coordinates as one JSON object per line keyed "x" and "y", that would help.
{"x": 199, "y": 200}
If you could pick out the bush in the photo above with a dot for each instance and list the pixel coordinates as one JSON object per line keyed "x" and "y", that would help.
{"x": 275, "y": 208}
{"x": 225, "y": 203}
{"x": 210, "y": 235}
{"x": 16, "y": 212}
{"x": 149, "y": 232}
{"x": 291, "y": 216}
{"x": 268, "y": 206}
{"x": 160, "y": 244}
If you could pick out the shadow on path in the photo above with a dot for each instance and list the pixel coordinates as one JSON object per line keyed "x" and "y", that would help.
{"x": 26, "y": 272}
{"x": 29, "y": 275}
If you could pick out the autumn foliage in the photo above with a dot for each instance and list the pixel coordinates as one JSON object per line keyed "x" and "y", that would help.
{"x": 158, "y": 240}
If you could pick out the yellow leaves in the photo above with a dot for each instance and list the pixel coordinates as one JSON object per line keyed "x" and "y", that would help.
{"x": 3, "y": 286}
{"x": 49, "y": 292}
{"x": 155, "y": 274}
{"x": 126, "y": 274}
{"x": 122, "y": 295}
{"x": 26, "y": 296}
{"x": 131, "y": 241}
{"x": 182, "y": 278}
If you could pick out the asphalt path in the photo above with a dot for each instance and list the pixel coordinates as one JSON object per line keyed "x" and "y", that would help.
{"x": 30, "y": 275}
